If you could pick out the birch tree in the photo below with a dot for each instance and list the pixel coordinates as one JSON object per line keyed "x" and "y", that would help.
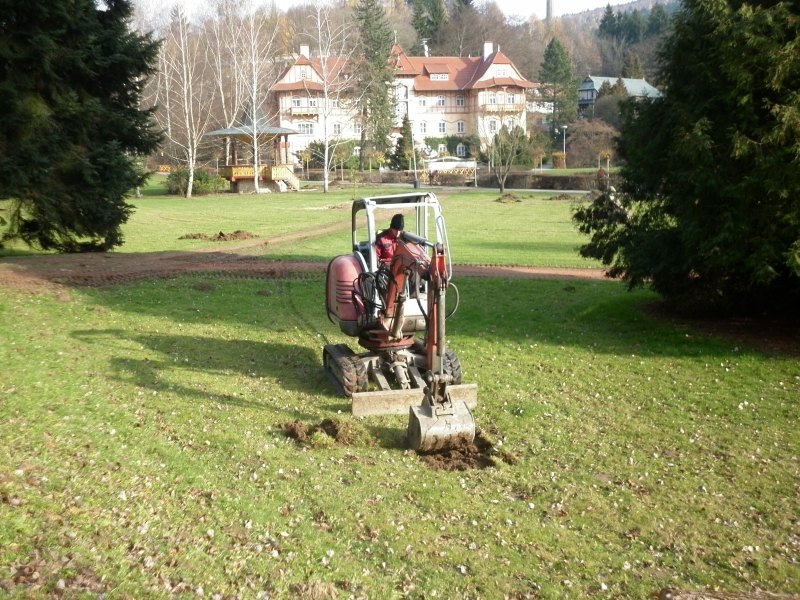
{"x": 224, "y": 39}
{"x": 185, "y": 94}
{"x": 257, "y": 72}
{"x": 335, "y": 40}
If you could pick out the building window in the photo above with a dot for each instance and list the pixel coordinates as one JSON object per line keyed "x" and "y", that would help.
{"x": 442, "y": 127}
{"x": 423, "y": 127}
{"x": 511, "y": 99}
{"x": 295, "y": 102}
{"x": 440, "y": 76}
{"x": 461, "y": 150}
{"x": 356, "y": 150}
{"x": 337, "y": 129}
{"x": 334, "y": 102}
{"x": 422, "y": 102}
{"x": 492, "y": 99}
{"x": 501, "y": 72}
{"x": 459, "y": 100}
{"x": 303, "y": 74}
{"x": 440, "y": 101}
{"x": 357, "y": 128}
{"x": 492, "y": 126}
{"x": 510, "y": 124}
{"x": 312, "y": 101}
{"x": 305, "y": 128}
{"x": 461, "y": 127}
{"x": 442, "y": 149}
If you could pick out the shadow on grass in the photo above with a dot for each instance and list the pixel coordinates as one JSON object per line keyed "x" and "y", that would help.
{"x": 291, "y": 368}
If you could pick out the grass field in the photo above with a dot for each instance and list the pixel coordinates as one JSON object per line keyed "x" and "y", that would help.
{"x": 536, "y": 230}
{"x": 143, "y": 448}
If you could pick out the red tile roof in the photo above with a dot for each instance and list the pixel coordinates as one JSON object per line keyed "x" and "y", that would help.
{"x": 463, "y": 73}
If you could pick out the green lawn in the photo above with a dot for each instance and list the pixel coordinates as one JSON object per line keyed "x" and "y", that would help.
{"x": 143, "y": 450}
{"x": 536, "y": 230}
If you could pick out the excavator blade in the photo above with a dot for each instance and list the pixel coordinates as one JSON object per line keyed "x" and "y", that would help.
{"x": 436, "y": 428}
{"x": 397, "y": 402}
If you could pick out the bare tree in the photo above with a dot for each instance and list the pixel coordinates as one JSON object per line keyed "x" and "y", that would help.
{"x": 183, "y": 93}
{"x": 258, "y": 72}
{"x": 335, "y": 40}
{"x": 224, "y": 38}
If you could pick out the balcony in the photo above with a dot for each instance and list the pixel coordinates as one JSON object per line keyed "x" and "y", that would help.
{"x": 303, "y": 111}
{"x": 502, "y": 108}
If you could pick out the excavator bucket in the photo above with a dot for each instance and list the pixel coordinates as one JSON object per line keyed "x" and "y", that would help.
{"x": 434, "y": 427}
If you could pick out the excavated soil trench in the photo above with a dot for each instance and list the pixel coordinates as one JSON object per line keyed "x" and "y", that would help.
{"x": 480, "y": 454}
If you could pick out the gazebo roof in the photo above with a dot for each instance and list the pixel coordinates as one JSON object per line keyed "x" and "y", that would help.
{"x": 245, "y": 130}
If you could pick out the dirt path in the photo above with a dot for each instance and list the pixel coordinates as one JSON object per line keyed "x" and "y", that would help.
{"x": 243, "y": 257}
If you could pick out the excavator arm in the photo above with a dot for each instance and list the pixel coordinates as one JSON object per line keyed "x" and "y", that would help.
{"x": 439, "y": 422}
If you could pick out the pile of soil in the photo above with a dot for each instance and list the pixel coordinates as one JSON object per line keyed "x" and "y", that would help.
{"x": 508, "y": 197}
{"x": 342, "y": 432}
{"x": 220, "y": 237}
{"x": 480, "y": 454}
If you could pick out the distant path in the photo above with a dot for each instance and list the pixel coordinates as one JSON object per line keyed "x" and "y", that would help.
{"x": 244, "y": 258}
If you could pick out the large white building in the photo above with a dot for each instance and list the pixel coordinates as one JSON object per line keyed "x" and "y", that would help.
{"x": 442, "y": 95}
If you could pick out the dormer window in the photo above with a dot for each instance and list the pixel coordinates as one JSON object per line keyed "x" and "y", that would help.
{"x": 440, "y": 76}
{"x": 501, "y": 72}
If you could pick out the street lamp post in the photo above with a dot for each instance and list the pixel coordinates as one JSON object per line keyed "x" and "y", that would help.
{"x": 564, "y": 130}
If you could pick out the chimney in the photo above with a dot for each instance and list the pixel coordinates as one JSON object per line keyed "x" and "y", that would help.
{"x": 305, "y": 50}
{"x": 488, "y": 48}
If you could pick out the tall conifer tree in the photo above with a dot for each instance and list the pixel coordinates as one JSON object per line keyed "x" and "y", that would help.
{"x": 710, "y": 217}
{"x": 71, "y": 129}
{"x": 375, "y": 76}
{"x": 559, "y": 86}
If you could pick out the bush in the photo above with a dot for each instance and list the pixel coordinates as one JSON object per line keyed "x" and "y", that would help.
{"x": 204, "y": 182}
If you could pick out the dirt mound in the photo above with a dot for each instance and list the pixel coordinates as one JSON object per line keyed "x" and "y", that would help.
{"x": 508, "y": 197}
{"x": 562, "y": 197}
{"x": 220, "y": 237}
{"x": 480, "y": 454}
{"x": 344, "y": 433}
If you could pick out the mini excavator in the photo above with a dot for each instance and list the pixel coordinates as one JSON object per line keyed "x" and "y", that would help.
{"x": 385, "y": 307}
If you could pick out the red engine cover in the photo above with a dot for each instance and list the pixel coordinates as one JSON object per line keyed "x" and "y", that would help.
{"x": 342, "y": 281}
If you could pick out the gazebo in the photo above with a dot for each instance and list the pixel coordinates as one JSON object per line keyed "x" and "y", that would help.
{"x": 278, "y": 176}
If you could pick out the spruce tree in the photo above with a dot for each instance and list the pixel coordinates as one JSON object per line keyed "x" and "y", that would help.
{"x": 375, "y": 76}
{"x": 403, "y": 156}
{"x": 559, "y": 85}
{"x": 72, "y": 129}
{"x": 710, "y": 215}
